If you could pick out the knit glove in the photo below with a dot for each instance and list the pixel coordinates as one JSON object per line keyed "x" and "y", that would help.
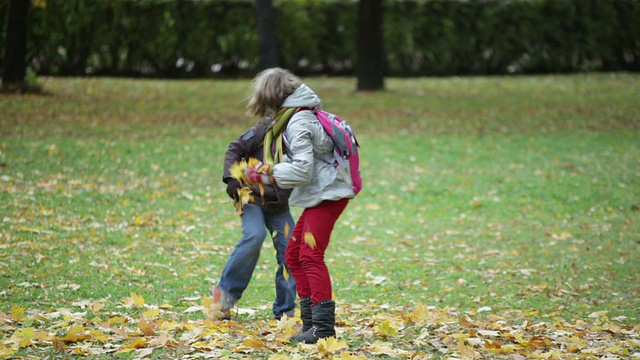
{"x": 260, "y": 174}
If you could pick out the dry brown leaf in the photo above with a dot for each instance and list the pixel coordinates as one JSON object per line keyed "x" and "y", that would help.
{"x": 147, "y": 327}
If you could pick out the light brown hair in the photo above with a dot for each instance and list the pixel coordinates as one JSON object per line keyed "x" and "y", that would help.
{"x": 270, "y": 88}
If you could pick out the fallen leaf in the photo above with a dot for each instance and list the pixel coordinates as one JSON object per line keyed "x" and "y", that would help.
{"x": 467, "y": 351}
{"x": 253, "y": 343}
{"x": 17, "y": 313}
{"x": 348, "y": 356}
{"x": 75, "y": 334}
{"x": 310, "y": 240}
{"x": 385, "y": 329}
{"x": 160, "y": 341}
{"x": 286, "y": 325}
{"x": 330, "y": 345}
{"x": 147, "y": 327}
{"x": 151, "y": 313}
{"x": 144, "y": 352}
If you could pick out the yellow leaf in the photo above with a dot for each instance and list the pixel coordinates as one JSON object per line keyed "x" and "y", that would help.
{"x": 373, "y": 207}
{"x": 206, "y": 301}
{"x": 42, "y": 335}
{"x": 75, "y": 334}
{"x": 420, "y": 313}
{"x": 80, "y": 351}
{"x": 96, "y": 307}
{"x": 252, "y": 162}
{"x": 23, "y": 337}
{"x": 386, "y": 329}
{"x": 137, "y": 299}
{"x": 330, "y": 345}
{"x": 310, "y": 240}
{"x": 117, "y": 320}
{"x": 279, "y": 356}
{"x": 286, "y": 324}
{"x": 347, "y": 356}
{"x": 253, "y": 343}
{"x": 169, "y": 325}
{"x": 244, "y": 197}
{"x": 287, "y": 228}
{"x": 136, "y": 344}
{"x": 562, "y": 236}
{"x": 237, "y": 170}
{"x": 99, "y": 336}
{"x": 520, "y": 339}
{"x": 151, "y": 313}
{"x": 7, "y": 352}
{"x": 467, "y": 351}
{"x": 597, "y": 314}
{"x": 285, "y": 273}
{"x": 17, "y": 313}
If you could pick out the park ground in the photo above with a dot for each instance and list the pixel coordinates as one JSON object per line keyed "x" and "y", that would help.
{"x": 500, "y": 219}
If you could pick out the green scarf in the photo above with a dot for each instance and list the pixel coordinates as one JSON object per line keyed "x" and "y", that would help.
{"x": 273, "y": 139}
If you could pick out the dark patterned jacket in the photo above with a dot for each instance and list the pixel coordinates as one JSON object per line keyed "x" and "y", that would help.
{"x": 247, "y": 145}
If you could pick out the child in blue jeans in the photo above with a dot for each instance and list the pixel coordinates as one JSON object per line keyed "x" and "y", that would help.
{"x": 269, "y": 211}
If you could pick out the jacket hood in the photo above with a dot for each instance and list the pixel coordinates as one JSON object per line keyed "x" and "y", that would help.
{"x": 303, "y": 96}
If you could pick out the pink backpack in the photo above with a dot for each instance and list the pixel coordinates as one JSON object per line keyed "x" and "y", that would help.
{"x": 345, "y": 148}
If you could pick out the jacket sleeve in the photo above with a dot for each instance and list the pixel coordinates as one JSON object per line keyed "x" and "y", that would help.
{"x": 298, "y": 171}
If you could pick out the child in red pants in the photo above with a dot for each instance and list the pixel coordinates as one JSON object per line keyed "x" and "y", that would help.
{"x": 308, "y": 167}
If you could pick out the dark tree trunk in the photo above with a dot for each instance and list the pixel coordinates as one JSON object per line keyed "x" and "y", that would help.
{"x": 15, "y": 62}
{"x": 370, "y": 66}
{"x": 267, "y": 40}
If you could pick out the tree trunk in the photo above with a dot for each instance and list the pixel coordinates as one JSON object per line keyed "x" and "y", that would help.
{"x": 267, "y": 40}
{"x": 15, "y": 62}
{"x": 370, "y": 66}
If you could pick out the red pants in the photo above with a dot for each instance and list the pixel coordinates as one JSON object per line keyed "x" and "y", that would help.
{"x": 306, "y": 260}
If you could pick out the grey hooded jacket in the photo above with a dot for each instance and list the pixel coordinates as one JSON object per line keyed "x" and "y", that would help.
{"x": 308, "y": 166}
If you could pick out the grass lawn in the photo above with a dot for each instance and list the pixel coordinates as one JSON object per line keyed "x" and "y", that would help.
{"x": 500, "y": 219}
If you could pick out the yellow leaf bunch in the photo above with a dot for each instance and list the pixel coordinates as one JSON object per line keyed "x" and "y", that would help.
{"x": 237, "y": 170}
{"x": 244, "y": 193}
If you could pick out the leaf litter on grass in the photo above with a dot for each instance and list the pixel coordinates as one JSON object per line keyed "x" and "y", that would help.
{"x": 420, "y": 332}
{"x": 115, "y": 213}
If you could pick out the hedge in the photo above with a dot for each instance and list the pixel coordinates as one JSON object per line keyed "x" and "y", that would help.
{"x": 208, "y": 38}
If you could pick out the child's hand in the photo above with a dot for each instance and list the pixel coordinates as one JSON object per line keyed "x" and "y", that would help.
{"x": 260, "y": 174}
{"x": 232, "y": 189}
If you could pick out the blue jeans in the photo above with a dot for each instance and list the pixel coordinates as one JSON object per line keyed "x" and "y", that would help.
{"x": 242, "y": 262}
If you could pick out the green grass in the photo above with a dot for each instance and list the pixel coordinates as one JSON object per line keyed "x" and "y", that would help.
{"x": 515, "y": 197}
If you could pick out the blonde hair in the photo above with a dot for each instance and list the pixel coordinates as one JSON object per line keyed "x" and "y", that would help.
{"x": 270, "y": 88}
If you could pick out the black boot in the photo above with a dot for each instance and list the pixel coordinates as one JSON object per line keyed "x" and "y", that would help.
{"x": 324, "y": 319}
{"x": 305, "y": 315}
